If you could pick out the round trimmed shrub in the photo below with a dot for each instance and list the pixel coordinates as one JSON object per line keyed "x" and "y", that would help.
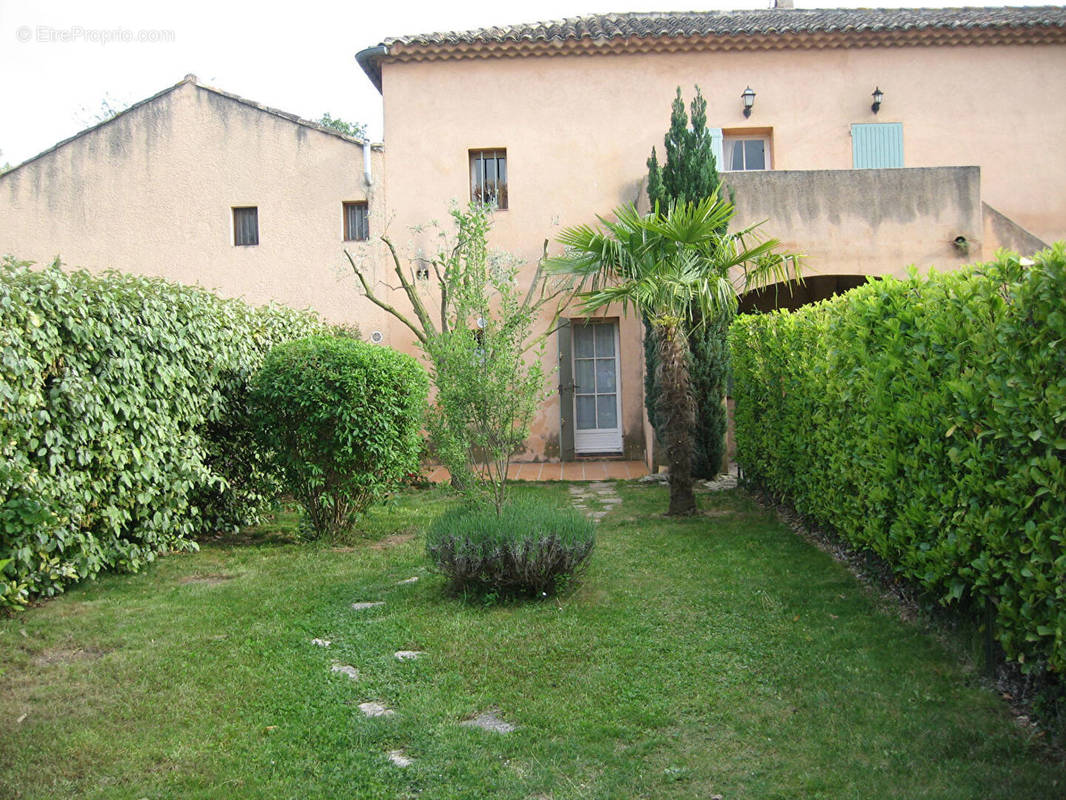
{"x": 528, "y": 546}
{"x": 342, "y": 420}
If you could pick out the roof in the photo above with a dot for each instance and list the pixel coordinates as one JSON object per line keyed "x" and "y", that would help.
{"x": 760, "y": 29}
{"x": 191, "y": 79}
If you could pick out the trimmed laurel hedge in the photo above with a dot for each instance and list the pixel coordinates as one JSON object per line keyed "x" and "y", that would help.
{"x": 925, "y": 420}
{"x": 342, "y": 421}
{"x": 123, "y": 429}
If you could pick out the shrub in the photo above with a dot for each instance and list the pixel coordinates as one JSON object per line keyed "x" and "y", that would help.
{"x": 925, "y": 421}
{"x": 527, "y": 546}
{"x": 342, "y": 420}
{"x": 123, "y": 430}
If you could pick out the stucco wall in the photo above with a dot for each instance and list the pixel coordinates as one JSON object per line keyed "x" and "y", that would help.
{"x": 866, "y": 222}
{"x": 578, "y": 129}
{"x": 151, "y": 192}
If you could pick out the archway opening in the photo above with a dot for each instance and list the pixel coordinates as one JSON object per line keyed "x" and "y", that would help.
{"x": 792, "y": 295}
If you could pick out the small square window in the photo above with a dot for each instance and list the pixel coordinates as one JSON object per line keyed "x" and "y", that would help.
{"x": 488, "y": 177}
{"x": 246, "y": 226}
{"x": 356, "y": 222}
{"x": 746, "y": 153}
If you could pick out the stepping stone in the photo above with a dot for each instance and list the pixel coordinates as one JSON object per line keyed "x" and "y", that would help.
{"x": 375, "y": 710}
{"x": 407, "y": 580}
{"x": 613, "y": 501}
{"x": 364, "y": 605}
{"x": 398, "y": 758}
{"x": 408, "y": 655}
{"x": 351, "y": 672}
{"x": 598, "y": 515}
{"x": 321, "y": 642}
{"x": 488, "y": 721}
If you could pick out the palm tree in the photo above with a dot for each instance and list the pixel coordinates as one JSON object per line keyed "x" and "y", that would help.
{"x": 679, "y": 268}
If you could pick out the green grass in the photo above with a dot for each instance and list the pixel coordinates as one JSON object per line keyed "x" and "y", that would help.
{"x": 717, "y": 655}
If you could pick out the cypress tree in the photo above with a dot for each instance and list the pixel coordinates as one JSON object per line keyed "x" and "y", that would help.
{"x": 689, "y": 175}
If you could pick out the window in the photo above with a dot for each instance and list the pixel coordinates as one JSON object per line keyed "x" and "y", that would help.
{"x": 356, "y": 222}
{"x": 246, "y": 226}
{"x": 742, "y": 153}
{"x": 488, "y": 177}
{"x": 877, "y": 145}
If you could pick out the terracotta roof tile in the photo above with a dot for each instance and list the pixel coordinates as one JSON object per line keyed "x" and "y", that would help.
{"x": 731, "y": 23}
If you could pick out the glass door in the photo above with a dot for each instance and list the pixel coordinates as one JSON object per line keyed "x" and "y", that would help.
{"x": 597, "y": 394}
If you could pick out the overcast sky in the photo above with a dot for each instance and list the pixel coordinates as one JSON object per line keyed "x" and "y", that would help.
{"x": 59, "y": 61}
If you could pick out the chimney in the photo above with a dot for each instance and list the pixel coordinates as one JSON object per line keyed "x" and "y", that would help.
{"x": 784, "y": 4}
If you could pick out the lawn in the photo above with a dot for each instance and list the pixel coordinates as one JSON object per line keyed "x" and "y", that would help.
{"x": 714, "y": 655}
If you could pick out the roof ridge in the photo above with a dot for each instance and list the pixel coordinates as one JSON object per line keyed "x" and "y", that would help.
{"x": 1020, "y": 13}
{"x": 603, "y": 33}
{"x": 194, "y": 81}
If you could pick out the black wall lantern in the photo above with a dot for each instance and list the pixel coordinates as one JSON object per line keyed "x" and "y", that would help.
{"x": 878, "y": 97}
{"x": 749, "y": 100}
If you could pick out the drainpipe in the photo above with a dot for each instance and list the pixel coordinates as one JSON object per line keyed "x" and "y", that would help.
{"x": 367, "y": 173}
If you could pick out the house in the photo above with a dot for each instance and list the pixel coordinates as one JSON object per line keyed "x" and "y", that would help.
{"x": 201, "y": 186}
{"x": 869, "y": 140}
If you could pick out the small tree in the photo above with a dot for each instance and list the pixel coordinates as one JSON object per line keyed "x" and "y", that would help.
{"x": 690, "y": 174}
{"x": 668, "y": 265}
{"x": 357, "y": 130}
{"x": 341, "y": 419}
{"x": 485, "y": 359}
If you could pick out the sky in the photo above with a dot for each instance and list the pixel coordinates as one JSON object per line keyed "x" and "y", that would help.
{"x": 61, "y": 61}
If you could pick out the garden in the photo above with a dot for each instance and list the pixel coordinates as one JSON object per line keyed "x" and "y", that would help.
{"x": 717, "y": 654}
{"x": 222, "y": 574}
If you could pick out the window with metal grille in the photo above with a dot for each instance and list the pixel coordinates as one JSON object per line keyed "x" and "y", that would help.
{"x": 246, "y": 225}
{"x": 356, "y": 222}
{"x": 488, "y": 177}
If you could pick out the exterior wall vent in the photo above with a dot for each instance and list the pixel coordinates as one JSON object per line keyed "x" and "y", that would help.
{"x": 377, "y": 337}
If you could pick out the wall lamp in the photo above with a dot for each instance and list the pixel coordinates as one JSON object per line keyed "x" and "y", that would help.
{"x": 749, "y": 100}
{"x": 878, "y": 97}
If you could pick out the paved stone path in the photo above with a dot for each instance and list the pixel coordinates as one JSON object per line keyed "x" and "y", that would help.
{"x": 365, "y": 605}
{"x": 348, "y": 670}
{"x": 400, "y": 759}
{"x": 488, "y": 721}
{"x": 602, "y": 494}
{"x": 727, "y": 480}
{"x": 375, "y": 710}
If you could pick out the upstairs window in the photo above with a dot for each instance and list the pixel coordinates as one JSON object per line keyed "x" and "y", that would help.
{"x": 877, "y": 145}
{"x": 246, "y": 226}
{"x": 356, "y": 222}
{"x": 743, "y": 153}
{"x": 488, "y": 177}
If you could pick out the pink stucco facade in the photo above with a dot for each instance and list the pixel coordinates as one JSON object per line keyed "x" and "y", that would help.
{"x": 978, "y": 106}
{"x": 577, "y": 130}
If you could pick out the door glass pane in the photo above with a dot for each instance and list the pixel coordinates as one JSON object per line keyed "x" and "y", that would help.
{"x": 583, "y": 341}
{"x": 605, "y": 378}
{"x": 755, "y": 154}
{"x": 586, "y": 412}
{"x": 607, "y": 410}
{"x": 604, "y": 340}
{"x": 584, "y": 376}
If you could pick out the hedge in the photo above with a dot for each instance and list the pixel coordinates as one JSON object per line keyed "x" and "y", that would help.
{"x": 123, "y": 428}
{"x": 342, "y": 421}
{"x": 925, "y": 420}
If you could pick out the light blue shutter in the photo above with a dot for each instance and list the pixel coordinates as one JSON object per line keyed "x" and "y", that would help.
{"x": 877, "y": 145}
{"x": 717, "y": 149}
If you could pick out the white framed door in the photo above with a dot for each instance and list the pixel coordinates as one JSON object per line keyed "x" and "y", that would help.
{"x": 597, "y": 388}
